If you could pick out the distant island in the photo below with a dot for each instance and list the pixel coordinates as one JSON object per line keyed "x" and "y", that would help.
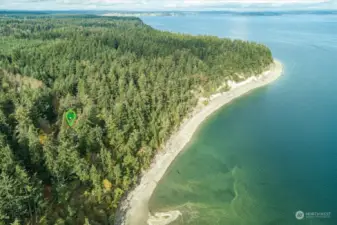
{"x": 131, "y": 86}
{"x": 222, "y": 12}
{"x": 235, "y": 12}
{"x": 138, "y": 14}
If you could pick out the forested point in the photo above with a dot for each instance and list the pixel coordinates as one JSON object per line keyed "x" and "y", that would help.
{"x": 130, "y": 85}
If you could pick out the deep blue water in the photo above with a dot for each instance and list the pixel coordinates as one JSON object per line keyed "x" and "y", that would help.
{"x": 270, "y": 153}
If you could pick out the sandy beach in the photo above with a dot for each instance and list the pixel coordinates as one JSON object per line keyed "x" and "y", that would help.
{"x": 134, "y": 208}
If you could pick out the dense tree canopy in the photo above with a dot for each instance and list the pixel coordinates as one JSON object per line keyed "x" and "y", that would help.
{"x": 131, "y": 87}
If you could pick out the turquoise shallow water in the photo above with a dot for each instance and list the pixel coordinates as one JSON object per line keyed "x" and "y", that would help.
{"x": 270, "y": 153}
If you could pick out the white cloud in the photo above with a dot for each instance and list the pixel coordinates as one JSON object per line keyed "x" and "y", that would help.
{"x": 188, "y": 3}
{"x": 252, "y": 1}
{"x": 154, "y": 4}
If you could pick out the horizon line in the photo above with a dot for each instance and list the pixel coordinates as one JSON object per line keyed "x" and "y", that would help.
{"x": 169, "y": 10}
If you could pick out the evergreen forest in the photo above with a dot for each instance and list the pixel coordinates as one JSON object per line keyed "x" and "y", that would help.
{"x": 130, "y": 85}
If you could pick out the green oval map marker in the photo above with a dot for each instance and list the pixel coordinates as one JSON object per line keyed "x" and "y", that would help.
{"x": 70, "y": 117}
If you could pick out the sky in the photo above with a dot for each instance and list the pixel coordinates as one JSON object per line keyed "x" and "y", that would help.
{"x": 136, "y": 5}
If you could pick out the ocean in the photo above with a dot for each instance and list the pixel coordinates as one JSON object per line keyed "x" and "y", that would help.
{"x": 271, "y": 154}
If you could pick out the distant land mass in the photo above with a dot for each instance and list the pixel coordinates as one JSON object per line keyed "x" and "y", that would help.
{"x": 243, "y": 13}
{"x": 137, "y": 14}
{"x": 176, "y": 13}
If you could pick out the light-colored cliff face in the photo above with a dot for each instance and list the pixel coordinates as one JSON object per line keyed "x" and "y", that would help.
{"x": 134, "y": 209}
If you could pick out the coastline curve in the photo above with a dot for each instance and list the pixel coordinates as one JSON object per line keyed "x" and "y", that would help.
{"x": 133, "y": 209}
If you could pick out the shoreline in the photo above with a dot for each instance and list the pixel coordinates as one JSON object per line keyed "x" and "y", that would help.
{"x": 134, "y": 207}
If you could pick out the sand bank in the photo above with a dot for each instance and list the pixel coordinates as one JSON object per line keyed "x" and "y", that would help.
{"x": 134, "y": 209}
